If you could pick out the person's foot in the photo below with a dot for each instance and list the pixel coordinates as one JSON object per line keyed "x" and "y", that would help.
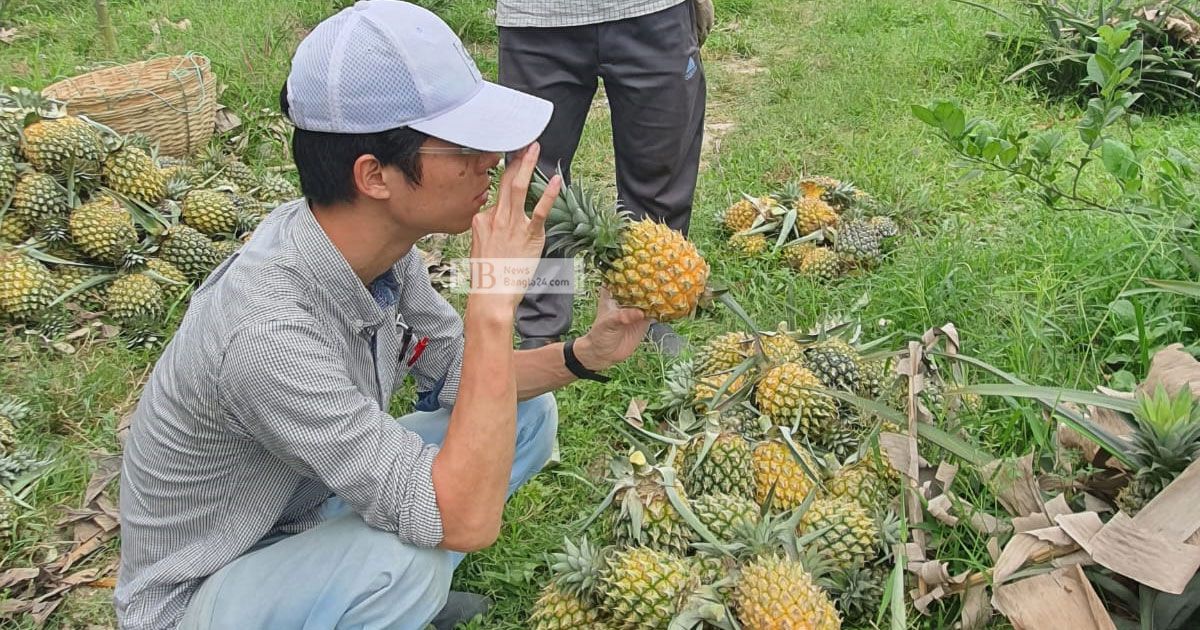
{"x": 668, "y": 342}
{"x": 460, "y": 608}
{"x": 531, "y": 343}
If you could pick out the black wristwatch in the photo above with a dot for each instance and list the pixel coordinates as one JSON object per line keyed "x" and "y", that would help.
{"x": 576, "y": 367}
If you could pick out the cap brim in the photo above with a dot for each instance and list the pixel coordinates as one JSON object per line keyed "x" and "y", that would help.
{"x": 496, "y": 119}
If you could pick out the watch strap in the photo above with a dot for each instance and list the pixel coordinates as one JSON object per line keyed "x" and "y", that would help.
{"x": 576, "y": 367}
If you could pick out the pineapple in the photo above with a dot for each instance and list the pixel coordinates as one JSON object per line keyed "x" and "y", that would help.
{"x": 643, "y": 513}
{"x": 274, "y": 189}
{"x": 225, "y": 248}
{"x": 746, "y": 420}
{"x": 789, "y": 395}
{"x": 103, "y": 230}
{"x": 8, "y": 175}
{"x": 8, "y": 434}
{"x": 836, "y": 363}
{"x": 706, "y": 388}
{"x": 63, "y": 147}
{"x": 239, "y": 174}
{"x": 860, "y": 241}
{"x": 852, "y": 537}
{"x": 134, "y": 297}
{"x": 794, "y": 253}
{"x": 679, "y": 386}
{"x": 842, "y": 196}
{"x": 740, "y": 216}
{"x": 1165, "y": 440}
{"x": 210, "y": 211}
{"x": 10, "y": 130}
{"x": 37, "y": 198}
{"x": 876, "y": 377}
{"x": 724, "y": 514}
{"x": 779, "y": 346}
{"x": 13, "y": 229}
{"x": 748, "y": 245}
{"x": 813, "y": 215}
{"x": 15, "y": 464}
{"x": 569, "y": 600}
{"x": 558, "y": 609}
{"x": 821, "y": 264}
{"x": 26, "y": 286}
{"x": 722, "y": 353}
{"x": 8, "y": 517}
{"x": 817, "y": 186}
{"x": 644, "y": 589}
{"x": 886, "y": 225}
{"x": 862, "y": 481}
{"x": 178, "y": 282}
{"x": 775, "y": 592}
{"x": 188, "y": 250}
{"x": 131, "y": 172}
{"x": 775, "y": 464}
{"x": 645, "y": 265}
{"x": 717, "y": 461}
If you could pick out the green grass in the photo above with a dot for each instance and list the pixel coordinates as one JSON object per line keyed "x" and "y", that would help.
{"x": 1028, "y": 289}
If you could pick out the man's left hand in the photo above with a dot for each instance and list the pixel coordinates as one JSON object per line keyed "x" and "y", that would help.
{"x": 614, "y": 335}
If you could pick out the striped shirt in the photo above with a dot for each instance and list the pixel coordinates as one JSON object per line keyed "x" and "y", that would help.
{"x": 555, "y": 13}
{"x": 271, "y": 397}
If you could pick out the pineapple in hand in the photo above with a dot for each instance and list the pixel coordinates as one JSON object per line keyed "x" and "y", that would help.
{"x": 644, "y": 264}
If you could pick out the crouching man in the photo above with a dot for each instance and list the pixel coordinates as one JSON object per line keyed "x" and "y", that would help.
{"x": 264, "y": 483}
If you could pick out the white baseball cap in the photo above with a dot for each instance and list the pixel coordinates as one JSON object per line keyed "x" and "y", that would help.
{"x": 384, "y": 64}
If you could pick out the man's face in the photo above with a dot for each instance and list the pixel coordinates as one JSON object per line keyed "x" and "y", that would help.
{"x": 453, "y": 189}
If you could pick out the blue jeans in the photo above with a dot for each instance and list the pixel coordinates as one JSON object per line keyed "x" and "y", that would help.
{"x": 344, "y": 573}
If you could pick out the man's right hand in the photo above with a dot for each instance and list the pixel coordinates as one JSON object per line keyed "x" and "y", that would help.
{"x": 505, "y": 231}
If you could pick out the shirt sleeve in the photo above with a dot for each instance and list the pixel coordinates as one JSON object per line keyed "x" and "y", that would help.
{"x": 438, "y": 369}
{"x": 285, "y": 387}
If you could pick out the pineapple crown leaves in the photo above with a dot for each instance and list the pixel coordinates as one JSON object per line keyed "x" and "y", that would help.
{"x": 34, "y": 105}
{"x": 1167, "y": 435}
{"x": 705, "y": 608}
{"x": 580, "y": 223}
{"x": 20, "y": 468}
{"x": 719, "y": 400}
{"x": 15, "y": 410}
{"x": 577, "y": 569}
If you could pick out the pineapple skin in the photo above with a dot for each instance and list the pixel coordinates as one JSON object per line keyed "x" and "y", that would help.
{"x": 132, "y": 173}
{"x": 644, "y": 589}
{"x": 134, "y": 296}
{"x": 103, "y": 231}
{"x": 726, "y": 469}
{"x": 55, "y": 146}
{"x": 658, "y": 271}
{"x": 852, "y": 538}
{"x": 774, "y": 464}
{"x": 26, "y": 287}
{"x": 556, "y": 609}
{"x": 775, "y": 593}
{"x": 782, "y": 396}
{"x": 209, "y": 211}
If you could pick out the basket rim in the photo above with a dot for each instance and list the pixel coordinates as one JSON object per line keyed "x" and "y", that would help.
{"x": 134, "y": 73}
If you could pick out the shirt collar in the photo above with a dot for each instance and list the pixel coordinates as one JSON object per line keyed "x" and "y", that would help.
{"x": 333, "y": 274}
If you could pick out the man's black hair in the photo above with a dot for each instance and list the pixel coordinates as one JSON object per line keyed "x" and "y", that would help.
{"x": 325, "y": 161}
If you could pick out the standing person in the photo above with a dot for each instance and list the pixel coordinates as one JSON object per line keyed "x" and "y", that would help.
{"x": 264, "y": 484}
{"x": 648, "y": 54}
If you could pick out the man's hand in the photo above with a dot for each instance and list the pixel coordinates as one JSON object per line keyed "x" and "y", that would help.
{"x": 504, "y": 230}
{"x": 614, "y": 335}
{"x": 705, "y": 17}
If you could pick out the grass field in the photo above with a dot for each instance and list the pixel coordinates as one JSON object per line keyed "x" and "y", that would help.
{"x": 795, "y": 86}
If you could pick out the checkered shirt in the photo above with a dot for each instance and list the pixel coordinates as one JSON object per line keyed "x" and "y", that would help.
{"x": 556, "y": 13}
{"x": 271, "y": 397}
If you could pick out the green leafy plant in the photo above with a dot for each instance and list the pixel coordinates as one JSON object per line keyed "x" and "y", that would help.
{"x": 1055, "y": 50}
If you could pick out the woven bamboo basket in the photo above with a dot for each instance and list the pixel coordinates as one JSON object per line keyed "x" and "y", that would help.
{"x": 172, "y": 100}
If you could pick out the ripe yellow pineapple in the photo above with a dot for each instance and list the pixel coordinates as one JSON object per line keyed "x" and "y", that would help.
{"x": 209, "y": 211}
{"x": 569, "y": 601}
{"x": 814, "y": 214}
{"x": 779, "y": 347}
{"x": 62, "y": 146}
{"x": 134, "y": 297}
{"x": 748, "y": 245}
{"x": 8, "y": 174}
{"x": 774, "y": 463}
{"x": 794, "y": 253}
{"x": 559, "y": 609}
{"x": 778, "y": 593}
{"x": 706, "y": 387}
{"x": 852, "y": 537}
{"x": 103, "y": 230}
{"x": 645, "y": 265}
{"x": 740, "y": 216}
{"x": 821, "y": 263}
{"x": 132, "y": 173}
{"x": 178, "y": 282}
{"x": 790, "y": 395}
{"x": 26, "y": 286}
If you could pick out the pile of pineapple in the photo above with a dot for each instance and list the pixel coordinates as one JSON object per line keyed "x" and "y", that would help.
{"x": 821, "y": 227}
{"x": 769, "y": 503}
{"x": 98, "y": 218}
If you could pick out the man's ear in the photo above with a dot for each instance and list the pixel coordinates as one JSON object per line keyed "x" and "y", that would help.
{"x": 369, "y": 178}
